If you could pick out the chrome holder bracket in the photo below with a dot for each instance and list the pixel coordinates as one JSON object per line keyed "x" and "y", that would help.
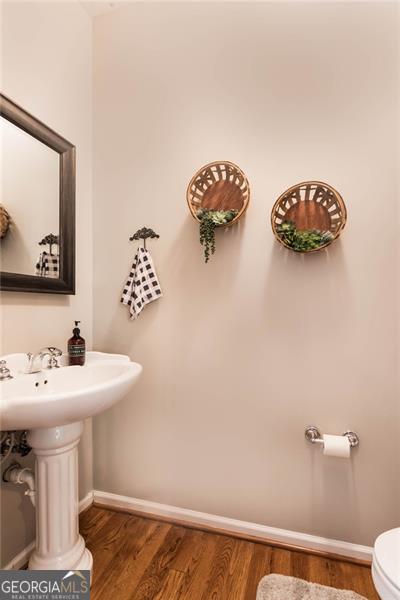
{"x": 313, "y": 435}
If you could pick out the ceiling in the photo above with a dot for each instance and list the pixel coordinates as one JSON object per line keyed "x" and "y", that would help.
{"x": 98, "y": 8}
{"x": 95, "y": 8}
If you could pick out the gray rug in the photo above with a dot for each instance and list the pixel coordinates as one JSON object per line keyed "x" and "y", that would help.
{"x": 281, "y": 587}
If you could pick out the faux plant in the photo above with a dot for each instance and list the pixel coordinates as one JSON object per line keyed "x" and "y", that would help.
{"x": 302, "y": 240}
{"x": 209, "y": 220}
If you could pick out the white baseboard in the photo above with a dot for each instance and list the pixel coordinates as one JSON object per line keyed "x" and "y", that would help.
{"x": 211, "y": 522}
{"x": 22, "y": 558}
{"x": 86, "y": 501}
{"x": 234, "y": 526}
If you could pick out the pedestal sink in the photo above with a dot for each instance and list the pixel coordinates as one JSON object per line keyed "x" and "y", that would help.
{"x": 52, "y": 405}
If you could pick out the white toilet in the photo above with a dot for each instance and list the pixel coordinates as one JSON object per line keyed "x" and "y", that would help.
{"x": 386, "y": 565}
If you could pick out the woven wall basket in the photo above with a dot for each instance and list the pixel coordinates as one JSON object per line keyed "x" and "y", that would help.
{"x": 310, "y": 205}
{"x": 219, "y": 186}
{"x": 5, "y": 221}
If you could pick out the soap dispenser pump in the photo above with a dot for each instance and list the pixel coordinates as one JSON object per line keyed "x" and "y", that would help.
{"x": 76, "y": 347}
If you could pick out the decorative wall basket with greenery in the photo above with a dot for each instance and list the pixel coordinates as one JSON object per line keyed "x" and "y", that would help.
{"x": 217, "y": 196}
{"x": 5, "y": 221}
{"x": 308, "y": 217}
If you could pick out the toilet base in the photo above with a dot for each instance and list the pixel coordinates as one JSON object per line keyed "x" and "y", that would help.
{"x": 383, "y": 586}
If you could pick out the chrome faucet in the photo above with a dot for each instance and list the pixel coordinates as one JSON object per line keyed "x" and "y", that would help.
{"x": 51, "y": 352}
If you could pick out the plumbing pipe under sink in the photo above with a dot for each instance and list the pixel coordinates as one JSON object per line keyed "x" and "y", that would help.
{"x": 19, "y": 475}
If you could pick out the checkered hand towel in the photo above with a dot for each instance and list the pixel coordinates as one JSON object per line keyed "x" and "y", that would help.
{"x": 47, "y": 265}
{"x": 142, "y": 285}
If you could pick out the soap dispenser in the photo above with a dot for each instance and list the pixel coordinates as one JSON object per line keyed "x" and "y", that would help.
{"x": 76, "y": 347}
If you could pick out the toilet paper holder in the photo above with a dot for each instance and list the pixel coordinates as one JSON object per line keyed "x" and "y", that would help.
{"x": 313, "y": 436}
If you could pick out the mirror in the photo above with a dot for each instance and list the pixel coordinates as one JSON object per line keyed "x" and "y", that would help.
{"x": 37, "y": 205}
{"x": 29, "y": 180}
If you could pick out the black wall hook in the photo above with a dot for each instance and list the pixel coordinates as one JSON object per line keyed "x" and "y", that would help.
{"x": 143, "y": 234}
{"x": 50, "y": 240}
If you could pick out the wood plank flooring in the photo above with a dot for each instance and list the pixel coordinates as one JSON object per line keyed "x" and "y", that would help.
{"x": 145, "y": 559}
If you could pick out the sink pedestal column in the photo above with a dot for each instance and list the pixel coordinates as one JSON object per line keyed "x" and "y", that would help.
{"x": 58, "y": 543}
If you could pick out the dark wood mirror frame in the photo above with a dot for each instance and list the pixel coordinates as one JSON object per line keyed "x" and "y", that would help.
{"x": 65, "y": 284}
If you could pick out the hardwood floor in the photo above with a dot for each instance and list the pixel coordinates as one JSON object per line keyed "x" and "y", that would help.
{"x": 145, "y": 559}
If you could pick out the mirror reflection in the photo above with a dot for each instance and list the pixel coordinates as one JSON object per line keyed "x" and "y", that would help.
{"x": 29, "y": 204}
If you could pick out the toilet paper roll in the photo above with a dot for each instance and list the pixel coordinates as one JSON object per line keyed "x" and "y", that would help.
{"x": 336, "y": 445}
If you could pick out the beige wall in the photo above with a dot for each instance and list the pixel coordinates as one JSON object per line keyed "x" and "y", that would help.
{"x": 241, "y": 354}
{"x": 46, "y": 62}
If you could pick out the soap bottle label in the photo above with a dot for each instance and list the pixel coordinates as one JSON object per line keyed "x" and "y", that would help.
{"x": 76, "y": 350}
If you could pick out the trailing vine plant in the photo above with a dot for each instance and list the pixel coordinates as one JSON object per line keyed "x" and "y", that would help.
{"x": 302, "y": 240}
{"x": 209, "y": 220}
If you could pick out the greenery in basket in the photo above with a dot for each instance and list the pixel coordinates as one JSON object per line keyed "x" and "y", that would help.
{"x": 302, "y": 240}
{"x": 209, "y": 220}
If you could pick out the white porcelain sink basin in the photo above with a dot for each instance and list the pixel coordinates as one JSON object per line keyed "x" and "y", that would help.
{"x": 65, "y": 395}
{"x": 52, "y": 405}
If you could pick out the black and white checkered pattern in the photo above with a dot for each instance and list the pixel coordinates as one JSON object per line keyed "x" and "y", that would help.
{"x": 48, "y": 265}
{"x": 142, "y": 285}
